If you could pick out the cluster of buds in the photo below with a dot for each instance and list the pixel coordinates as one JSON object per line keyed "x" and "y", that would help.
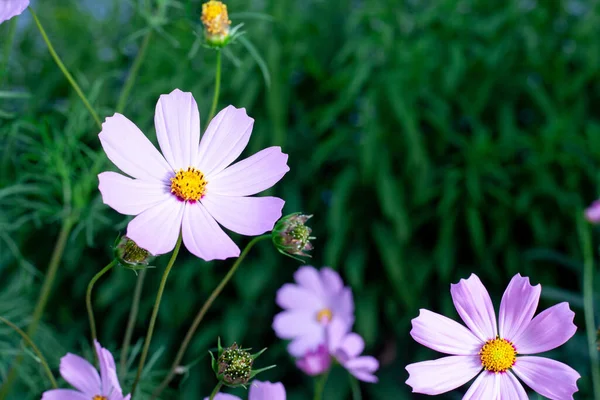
{"x": 233, "y": 365}
{"x": 217, "y": 25}
{"x": 291, "y": 236}
{"x": 131, "y": 256}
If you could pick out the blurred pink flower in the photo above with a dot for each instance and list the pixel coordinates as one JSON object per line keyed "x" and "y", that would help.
{"x": 318, "y": 299}
{"x": 191, "y": 186}
{"x": 258, "y": 391}
{"x": 12, "y": 8}
{"x": 494, "y": 349}
{"x": 592, "y": 213}
{"x": 346, "y": 347}
{"x": 315, "y": 362}
{"x": 82, "y": 375}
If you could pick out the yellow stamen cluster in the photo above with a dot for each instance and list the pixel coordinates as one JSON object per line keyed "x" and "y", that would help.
{"x": 324, "y": 316}
{"x": 498, "y": 355}
{"x": 188, "y": 184}
{"x": 98, "y": 397}
{"x": 215, "y": 18}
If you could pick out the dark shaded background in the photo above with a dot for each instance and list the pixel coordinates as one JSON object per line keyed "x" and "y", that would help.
{"x": 430, "y": 139}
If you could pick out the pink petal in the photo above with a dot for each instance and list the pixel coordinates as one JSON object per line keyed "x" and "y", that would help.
{"x": 486, "y": 386}
{"x": 316, "y": 362}
{"x": 592, "y": 213}
{"x": 12, "y": 8}
{"x": 130, "y": 196}
{"x": 548, "y": 330}
{"x": 442, "y": 375}
{"x": 80, "y": 374}
{"x": 108, "y": 371}
{"x": 511, "y": 388}
{"x": 131, "y": 151}
{"x": 64, "y": 394}
{"x": 549, "y": 378}
{"x": 224, "y": 396}
{"x": 266, "y": 391}
{"x": 157, "y": 228}
{"x": 352, "y": 345}
{"x": 308, "y": 277}
{"x": 224, "y": 140}
{"x": 294, "y": 297}
{"x": 519, "y": 302}
{"x": 474, "y": 306}
{"x": 342, "y": 304}
{"x": 244, "y": 215}
{"x": 203, "y": 237}
{"x": 177, "y": 124}
{"x": 336, "y": 331}
{"x": 363, "y": 368}
{"x": 252, "y": 175}
{"x": 444, "y": 335}
{"x": 293, "y": 323}
{"x": 310, "y": 342}
{"x": 331, "y": 280}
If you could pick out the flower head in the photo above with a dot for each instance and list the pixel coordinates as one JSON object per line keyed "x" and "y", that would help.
{"x": 82, "y": 375}
{"x": 592, "y": 213}
{"x": 12, "y": 8}
{"x": 346, "y": 347}
{"x": 234, "y": 366}
{"x": 318, "y": 299}
{"x": 216, "y": 23}
{"x": 258, "y": 391}
{"x": 291, "y": 236}
{"x": 498, "y": 353}
{"x": 315, "y": 362}
{"x": 191, "y": 186}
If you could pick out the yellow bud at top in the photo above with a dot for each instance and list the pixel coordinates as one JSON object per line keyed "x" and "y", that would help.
{"x": 215, "y": 18}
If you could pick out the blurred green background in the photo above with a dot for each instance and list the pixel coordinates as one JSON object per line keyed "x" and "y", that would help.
{"x": 430, "y": 139}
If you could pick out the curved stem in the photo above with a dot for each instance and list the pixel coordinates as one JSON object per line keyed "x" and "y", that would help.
{"x": 135, "y": 306}
{"x": 202, "y": 312}
{"x": 161, "y": 289}
{"x": 213, "y": 108}
{"x": 64, "y": 69}
{"x": 133, "y": 73}
{"x": 88, "y": 298}
{"x": 320, "y": 386}
{"x": 588, "y": 303}
{"x": 35, "y": 349}
{"x": 216, "y": 390}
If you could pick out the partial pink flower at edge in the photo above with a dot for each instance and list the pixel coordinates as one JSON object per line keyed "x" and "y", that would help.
{"x": 191, "y": 187}
{"x": 592, "y": 213}
{"x": 502, "y": 350}
{"x": 12, "y": 8}
{"x": 258, "y": 391}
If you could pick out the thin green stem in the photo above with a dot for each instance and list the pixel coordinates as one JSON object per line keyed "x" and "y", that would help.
{"x": 588, "y": 303}
{"x": 135, "y": 306}
{"x": 88, "y": 298}
{"x": 216, "y": 390}
{"x": 64, "y": 69}
{"x": 320, "y": 386}
{"x": 35, "y": 349}
{"x": 354, "y": 387}
{"x": 133, "y": 73}
{"x": 12, "y": 28}
{"x": 192, "y": 329}
{"x": 213, "y": 108}
{"x": 161, "y": 289}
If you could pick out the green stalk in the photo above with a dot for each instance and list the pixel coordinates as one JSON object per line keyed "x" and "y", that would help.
{"x": 588, "y": 303}
{"x": 133, "y": 73}
{"x": 35, "y": 349}
{"x": 12, "y": 28}
{"x": 202, "y": 313}
{"x": 213, "y": 108}
{"x": 320, "y": 386}
{"x": 355, "y": 388}
{"x": 88, "y": 298}
{"x": 216, "y": 390}
{"x": 64, "y": 69}
{"x": 161, "y": 289}
{"x": 135, "y": 306}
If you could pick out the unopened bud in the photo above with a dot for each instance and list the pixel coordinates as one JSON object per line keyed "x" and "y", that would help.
{"x": 233, "y": 365}
{"x": 130, "y": 255}
{"x": 291, "y": 236}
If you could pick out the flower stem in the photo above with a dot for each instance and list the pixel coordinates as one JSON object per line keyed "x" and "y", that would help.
{"x": 202, "y": 312}
{"x": 213, "y": 108}
{"x": 355, "y": 388}
{"x": 216, "y": 390}
{"x": 161, "y": 289}
{"x": 135, "y": 306}
{"x": 88, "y": 298}
{"x": 588, "y": 302}
{"x": 133, "y": 73}
{"x": 320, "y": 386}
{"x": 12, "y": 28}
{"x": 35, "y": 349}
{"x": 64, "y": 69}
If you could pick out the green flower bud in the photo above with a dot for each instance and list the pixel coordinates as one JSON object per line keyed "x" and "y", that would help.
{"x": 233, "y": 365}
{"x": 291, "y": 237}
{"x": 130, "y": 255}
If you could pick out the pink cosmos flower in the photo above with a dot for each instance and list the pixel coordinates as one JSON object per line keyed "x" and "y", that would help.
{"x": 190, "y": 187}
{"x": 501, "y": 351}
{"x": 318, "y": 299}
{"x": 258, "y": 391}
{"x": 592, "y": 213}
{"x": 346, "y": 348}
{"x": 12, "y": 8}
{"x": 315, "y": 362}
{"x": 82, "y": 375}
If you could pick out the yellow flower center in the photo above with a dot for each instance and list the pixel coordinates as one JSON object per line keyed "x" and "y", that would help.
{"x": 98, "y": 397}
{"x": 324, "y": 316}
{"x": 188, "y": 184}
{"x": 498, "y": 355}
{"x": 215, "y": 18}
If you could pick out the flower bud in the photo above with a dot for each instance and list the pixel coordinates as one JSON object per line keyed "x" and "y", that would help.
{"x": 216, "y": 23}
{"x": 233, "y": 365}
{"x": 315, "y": 362}
{"x": 130, "y": 255}
{"x": 291, "y": 237}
